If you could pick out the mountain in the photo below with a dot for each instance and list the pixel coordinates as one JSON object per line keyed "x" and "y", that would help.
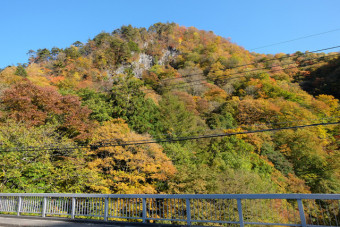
{"x": 70, "y": 117}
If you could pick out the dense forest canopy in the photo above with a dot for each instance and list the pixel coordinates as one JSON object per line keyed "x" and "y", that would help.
{"x": 166, "y": 82}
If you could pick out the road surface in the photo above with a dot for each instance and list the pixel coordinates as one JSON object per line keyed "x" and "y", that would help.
{"x": 53, "y": 222}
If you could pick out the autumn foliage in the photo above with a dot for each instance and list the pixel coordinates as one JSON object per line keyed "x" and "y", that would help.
{"x": 35, "y": 105}
{"x": 82, "y": 107}
{"x": 129, "y": 169}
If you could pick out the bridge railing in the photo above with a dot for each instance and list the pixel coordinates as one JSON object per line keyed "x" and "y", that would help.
{"x": 229, "y": 210}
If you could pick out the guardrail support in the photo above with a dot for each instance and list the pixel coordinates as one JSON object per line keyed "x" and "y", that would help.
{"x": 19, "y": 206}
{"x": 302, "y": 213}
{"x": 188, "y": 211}
{"x": 44, "y": 207}
{"x": 240, "y": 213}
{"x": 106, "y": 211}
{"x": 144, "y": 210}
{"x": 73, "y": 211}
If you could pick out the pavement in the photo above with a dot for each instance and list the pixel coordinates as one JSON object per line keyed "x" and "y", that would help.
{"x": 54, "y": 222}
{"x": 8, "y": 221}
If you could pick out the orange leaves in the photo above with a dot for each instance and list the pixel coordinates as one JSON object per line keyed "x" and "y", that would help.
{"x": 297, "y": 185}
{"x": 57, "y": 79}
{"x": 187, "y": 99}
{"x": 256, "y": 110}
{"x": 39, "y": 105}
{"x": 215, "y": 94}
{"x": 202, "y": 105}
{"x": 130, "y": 169}
{"x": 305, "y": 73}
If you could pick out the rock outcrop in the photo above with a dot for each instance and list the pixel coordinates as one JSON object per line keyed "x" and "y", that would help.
{"x": 145, "y": 62}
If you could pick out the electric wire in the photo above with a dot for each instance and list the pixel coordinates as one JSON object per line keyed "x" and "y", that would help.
{"x": 261, "y": 61}
{"x": 57, "y": 145}
{"x": 215, "y": 135}
{"x": 295, "y": 39}
{"x": 249, "y": 126}
{"x": 189, "y": 83}
{"x": 150, "y": 90}
{"x": 241, "y": 73}
{"x": 153, "y": 141}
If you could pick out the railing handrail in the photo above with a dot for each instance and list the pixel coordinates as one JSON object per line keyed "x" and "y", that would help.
{"x": 182, "y": 196}
{"x": 191, "y": 208}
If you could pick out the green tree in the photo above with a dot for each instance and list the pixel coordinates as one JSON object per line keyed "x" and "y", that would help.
{"x": 304, "y": 149}
{"x": 21, "y": 71}
{"x": 98, "y": 103}
{"x": 72, "y": 52}
{"x": 176, "y": 120}
{"x": 43, "y": 55}
{"x": 40, "y": 170}
{"x": 129, "y": 103}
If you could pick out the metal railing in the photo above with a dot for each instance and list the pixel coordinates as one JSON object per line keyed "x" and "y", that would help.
{"x": 225, "y": 210}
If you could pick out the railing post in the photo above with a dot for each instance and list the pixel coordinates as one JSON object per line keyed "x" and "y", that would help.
{"x": 240, "y": 213}
{"x": 188, "y": 211}
{"x": 106, "y": 211}
{"x": 302, "y": 213}
{"x": 19, "y": 206}
{"x": 73, "y": 211}
{"x": 144, "y": 210}
{"x": 44, "y": 207}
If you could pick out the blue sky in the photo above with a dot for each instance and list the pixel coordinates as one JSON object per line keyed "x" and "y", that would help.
{"x": 38, "y": 24}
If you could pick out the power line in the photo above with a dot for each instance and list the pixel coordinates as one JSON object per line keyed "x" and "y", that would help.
{"x": 217, "y": 135}
{"x": 56, "y": 146}
{"x": 252, "y": 125}
{"x": 299, "y": 38}
{"x": 253, "y": 63}
{"x": 287, "y": 122}
{"x": 148, "y": 90}
{"x": 186, "y": 84}
{"x": 170, "y": 140}
{"x": 241, "y": 74}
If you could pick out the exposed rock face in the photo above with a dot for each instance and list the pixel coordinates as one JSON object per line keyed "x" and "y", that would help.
{"x": 168, "y": 55}
{"x": 145, "y": 62}
{"x": 120, "y": 70}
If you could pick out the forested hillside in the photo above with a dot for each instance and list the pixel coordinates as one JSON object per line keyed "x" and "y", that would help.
{"x": 135, "y": 85}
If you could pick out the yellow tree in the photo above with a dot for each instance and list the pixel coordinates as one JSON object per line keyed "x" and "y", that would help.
{"x": 128, "y": 169}
{"x": 8, "y": 77}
